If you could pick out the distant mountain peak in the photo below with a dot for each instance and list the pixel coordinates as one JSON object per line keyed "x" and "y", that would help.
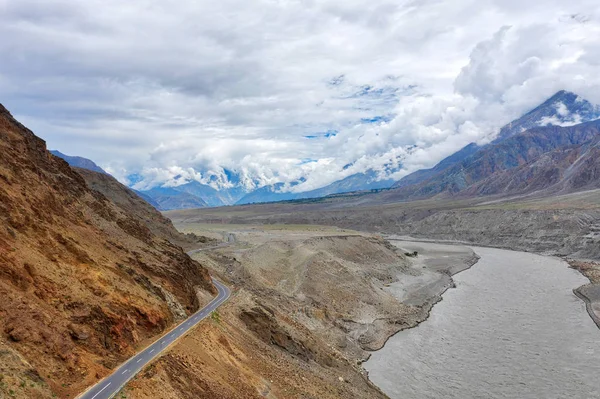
{"x": 563, "y": 97}
{"x": 79, "y": 162}
{"x": 561, "y": 94}
{"x": 564, "y": 108}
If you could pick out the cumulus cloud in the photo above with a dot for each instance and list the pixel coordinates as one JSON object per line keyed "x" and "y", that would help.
{"x": 200, "y": 90}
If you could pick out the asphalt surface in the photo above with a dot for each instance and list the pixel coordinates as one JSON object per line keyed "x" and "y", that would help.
{"x": 112, "y": 384}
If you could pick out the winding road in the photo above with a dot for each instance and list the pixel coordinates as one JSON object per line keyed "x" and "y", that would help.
{"x": 112, "y": 384}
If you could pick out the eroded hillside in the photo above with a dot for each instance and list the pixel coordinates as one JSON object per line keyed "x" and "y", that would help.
{"x": 310, "y": 304}
{"x": 82, "y": 281}
{"x": 136, "y": 207}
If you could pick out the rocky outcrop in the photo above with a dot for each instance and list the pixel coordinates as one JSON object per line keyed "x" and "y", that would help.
{"x": 263, "y": 323}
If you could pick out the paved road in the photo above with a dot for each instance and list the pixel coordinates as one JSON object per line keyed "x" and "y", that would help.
{"x": 112, "y": 384}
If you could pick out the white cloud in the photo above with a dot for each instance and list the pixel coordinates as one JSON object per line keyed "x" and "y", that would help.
{"x": 185, "y": 90}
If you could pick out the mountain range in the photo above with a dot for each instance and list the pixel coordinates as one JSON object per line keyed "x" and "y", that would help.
{"x": 535, "y": 159}
{"x": 522, "y": 153}
{"x": 563, "y": 108}
{"x": 471, "y": 171}
{"x": 355, "y": 182}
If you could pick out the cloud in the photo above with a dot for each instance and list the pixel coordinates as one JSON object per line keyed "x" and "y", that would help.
{"x": 197, "y": 90}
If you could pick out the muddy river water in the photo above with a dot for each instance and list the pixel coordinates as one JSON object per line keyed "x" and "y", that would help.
{"x": 512, "y": 328}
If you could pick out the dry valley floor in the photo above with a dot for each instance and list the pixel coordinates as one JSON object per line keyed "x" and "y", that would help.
{"x": 309, "y": 304}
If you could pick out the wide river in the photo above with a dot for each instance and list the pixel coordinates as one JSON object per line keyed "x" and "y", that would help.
{"x": 511, "y": 329}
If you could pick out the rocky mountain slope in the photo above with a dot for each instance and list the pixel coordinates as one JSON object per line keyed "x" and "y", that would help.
{"x": 191, "y": 195}
{"x": 563, "y": 108}
{"x": 83, "y": 282}
{"x": 140, "y": 209}
{"x": 565, "y": 170}
{"x": 488, "y": 163}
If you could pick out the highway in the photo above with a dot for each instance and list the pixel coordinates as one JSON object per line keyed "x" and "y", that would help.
{"x": 112, "y": 384}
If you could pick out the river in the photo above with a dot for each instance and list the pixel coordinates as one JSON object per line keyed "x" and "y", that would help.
{"x": 512, "y": 328}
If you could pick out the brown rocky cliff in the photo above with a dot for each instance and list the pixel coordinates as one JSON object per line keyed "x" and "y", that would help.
{"x": 82, "y": 281}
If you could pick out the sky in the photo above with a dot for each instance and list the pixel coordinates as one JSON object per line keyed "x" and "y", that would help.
{"x": 279, "y": 91}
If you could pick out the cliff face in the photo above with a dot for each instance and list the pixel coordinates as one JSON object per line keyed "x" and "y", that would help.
{"x": 82, "y": 280}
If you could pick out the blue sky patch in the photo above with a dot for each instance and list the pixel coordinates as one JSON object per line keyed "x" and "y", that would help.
{"x": 327, "y": 134}
{"x": 377, "y": 119}
{"x": 307, "y": 160}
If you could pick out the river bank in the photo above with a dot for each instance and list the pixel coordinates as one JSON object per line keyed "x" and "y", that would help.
{"x": 429, "y": 276}
{"x": 589, "y": 293}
